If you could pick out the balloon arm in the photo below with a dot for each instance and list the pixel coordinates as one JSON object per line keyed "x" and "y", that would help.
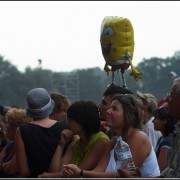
{"x": 135, "y": 72}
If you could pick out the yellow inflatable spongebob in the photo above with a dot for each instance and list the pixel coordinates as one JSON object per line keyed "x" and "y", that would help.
{"x": 117, "y": 44}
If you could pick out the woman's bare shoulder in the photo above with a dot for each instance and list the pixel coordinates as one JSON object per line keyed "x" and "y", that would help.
{"x": 140, "y": 143}
{"x": 139, "y": 137}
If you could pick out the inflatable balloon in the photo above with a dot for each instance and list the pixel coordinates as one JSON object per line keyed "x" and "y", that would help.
{"x": 117, "y": 44}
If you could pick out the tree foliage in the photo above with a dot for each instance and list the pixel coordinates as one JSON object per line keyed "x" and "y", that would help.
{"x": 83, "y": 83}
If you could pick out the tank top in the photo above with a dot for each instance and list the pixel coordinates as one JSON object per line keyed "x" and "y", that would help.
{"x": 80, "y": 154}
{"x": 40, "y": 144}
{"x": 149, "y": 167}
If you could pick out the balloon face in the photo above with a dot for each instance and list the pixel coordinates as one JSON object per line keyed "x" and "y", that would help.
{"x": 117, "y": 41}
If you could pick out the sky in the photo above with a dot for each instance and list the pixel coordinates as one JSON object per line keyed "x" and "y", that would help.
{"x": 65, "y": 35}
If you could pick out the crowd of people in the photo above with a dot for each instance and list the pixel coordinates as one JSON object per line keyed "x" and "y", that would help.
{"x": 55, "y": 138}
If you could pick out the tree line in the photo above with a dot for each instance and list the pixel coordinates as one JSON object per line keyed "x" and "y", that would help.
{"x": 86, "y": 84}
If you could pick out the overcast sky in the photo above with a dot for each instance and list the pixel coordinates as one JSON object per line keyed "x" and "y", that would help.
{"x": 66, "y": 34}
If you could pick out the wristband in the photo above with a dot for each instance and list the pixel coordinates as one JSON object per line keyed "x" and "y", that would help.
{"x": 81, "y": 173}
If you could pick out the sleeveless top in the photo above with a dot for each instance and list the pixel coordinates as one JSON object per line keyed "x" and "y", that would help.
{"x": 80, "y": 154}
{"x": 164, "y": 142}
{"x": 149, "y": 167}
{"x": 40, "y": 144}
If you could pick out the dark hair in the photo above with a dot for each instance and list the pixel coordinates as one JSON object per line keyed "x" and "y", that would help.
{"x": 114, "y": 89}
{"x": 85, "y": 113}
{"x": 162, "y": 114}
{"x": 132, "y": 108}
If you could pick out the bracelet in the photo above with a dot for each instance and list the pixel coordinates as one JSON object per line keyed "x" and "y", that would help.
{"x": 81, "y": 173}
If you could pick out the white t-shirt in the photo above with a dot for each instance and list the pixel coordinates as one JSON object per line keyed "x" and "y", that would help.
{"x": 151, "y": 132}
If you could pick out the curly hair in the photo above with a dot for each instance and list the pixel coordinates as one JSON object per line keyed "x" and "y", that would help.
{"x": 60, "y": 101}
{"x": 16, "y": 117}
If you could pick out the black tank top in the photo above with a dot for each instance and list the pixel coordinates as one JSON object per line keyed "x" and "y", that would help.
{"x": 40, "y": 144}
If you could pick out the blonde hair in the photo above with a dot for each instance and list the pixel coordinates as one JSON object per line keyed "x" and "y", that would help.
{"x": 16, "y": 117}
{"x": 60, "y": 101}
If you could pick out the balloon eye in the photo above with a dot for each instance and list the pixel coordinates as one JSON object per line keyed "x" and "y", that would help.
{"x": 108, "y": 31}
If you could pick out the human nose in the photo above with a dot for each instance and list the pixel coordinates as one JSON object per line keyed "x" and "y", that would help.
{"x": 99, "y": 105}
{"x": 108, "y": 111}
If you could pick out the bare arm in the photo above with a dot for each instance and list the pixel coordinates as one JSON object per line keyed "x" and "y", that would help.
{"x": 56, "y": 161}
{"x": 10, "y": 166}
{"x": 162, "y": 159}
{"x": 76, "y": 172}
{"x": 71, "y": 170}
{"x": 21, "y": 158}
{"x": 140, "y": 146}
{"x": 55, "y": 165}
{"x": 94, "y": 156}
{"x": 2, "y": 154}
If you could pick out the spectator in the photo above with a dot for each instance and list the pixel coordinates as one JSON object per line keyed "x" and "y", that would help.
{"x": 172, "y": 169}
{"x": 165, "y": 123}
{"x": 37, "y": 141}
{"x": 59, "y": 112}
{"x": 62, "y": 103}
{"x": 83, "y": 120}
{"x": 15, "y": 117}
{"x": 105, "y": 104}
{"x": 124, "y": 118}
{"x": 173, "y": 98}
{"x": 149, "y": 105}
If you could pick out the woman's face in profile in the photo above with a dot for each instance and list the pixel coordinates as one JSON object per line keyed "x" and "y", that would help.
{"x": 159, "y": 124}
{"x": 74, "y": 126}
{"x": 115, "y": 115}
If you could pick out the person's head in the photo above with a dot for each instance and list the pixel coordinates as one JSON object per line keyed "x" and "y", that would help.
{"x": 15, "y": 117}
{"x": 126, "y": 111}
{"x": 163, "y": 121}
{"x": 40, "y": 104}
{"x": 105, "y": 103}
{"x": 173, "y": 98}
{"x": 62, "y": 103}
{"x": 150, "y": 103}
{"x": 83, "y": 117}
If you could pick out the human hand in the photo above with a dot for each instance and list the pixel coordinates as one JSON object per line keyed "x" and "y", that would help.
{"x": 125, "y": 173}
{"x": 66, "y": 135}
{"x": 71, "y": 170}
{"x": 43, "y": 175}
